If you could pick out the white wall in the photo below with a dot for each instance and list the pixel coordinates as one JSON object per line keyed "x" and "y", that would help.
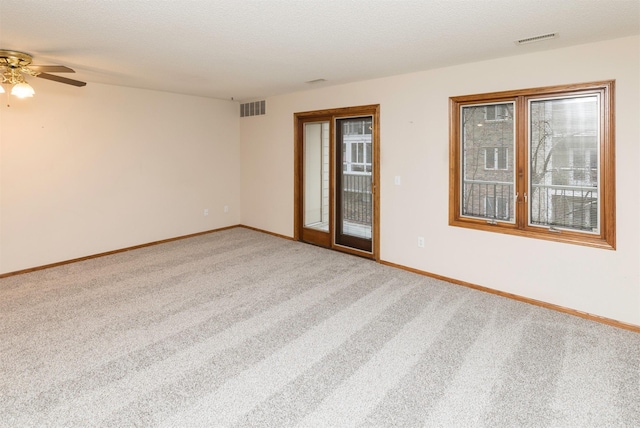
{"x": 100, "y": 168}
{"x": 89, "y": 170}
{"x": 414, "y": 145}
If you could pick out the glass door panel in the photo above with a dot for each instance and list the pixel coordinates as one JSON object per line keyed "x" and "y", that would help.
{"x": 354, "y": 191}
{"x": 316, "y": 176}
{"x": 315, "y": 208}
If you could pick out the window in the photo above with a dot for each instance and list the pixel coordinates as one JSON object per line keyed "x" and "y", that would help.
{"x": 536, "y": 163}
{"x": 359, "y": 128}
{"x": 497, "y": 112}
{"x": 358, "y": 159}
{"x": 356, "y": 148}
{"x": 495, "y": 158}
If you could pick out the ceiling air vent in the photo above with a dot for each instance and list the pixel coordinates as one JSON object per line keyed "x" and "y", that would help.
{"x": 255, "y": 108}
{"x": 536, "y": 38}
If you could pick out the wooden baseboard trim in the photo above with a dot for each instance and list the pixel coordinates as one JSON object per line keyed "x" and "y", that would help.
{"x": 267, "y": 232}
{"x": 558, "y": 308}
{"x": 108, "y": 253}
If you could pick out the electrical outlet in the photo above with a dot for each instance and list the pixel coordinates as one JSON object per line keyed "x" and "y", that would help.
{"x": 206, "y": 211}
{"x": 226, "y": 208}
{"x": 420, "y": 242}
{"x": 397, "y": 180}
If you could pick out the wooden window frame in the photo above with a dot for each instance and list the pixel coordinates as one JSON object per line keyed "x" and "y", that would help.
{"x": 606, "y": 236}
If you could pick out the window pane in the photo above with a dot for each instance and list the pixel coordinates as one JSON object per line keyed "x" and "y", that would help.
{"x": 355, "y": 210}
{"x": 563, "y": 152}
{"x": 486, "y": 179}
{"x": 489, "y": 158}
{"x": 354, "y": 152}
{"x": 491, "y": 112}
{"x": 316, "y": 175}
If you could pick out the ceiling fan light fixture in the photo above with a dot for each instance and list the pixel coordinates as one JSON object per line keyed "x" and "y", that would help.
{"x": 14, "y": 64}
{"x": 23, "y": 90}
{"x": 1, "y": 90}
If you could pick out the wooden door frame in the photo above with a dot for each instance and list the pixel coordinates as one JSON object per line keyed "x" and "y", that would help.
{"x": 331, "y": 114}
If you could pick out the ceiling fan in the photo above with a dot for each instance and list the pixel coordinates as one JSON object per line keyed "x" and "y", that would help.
{"x": 14, "y": 64}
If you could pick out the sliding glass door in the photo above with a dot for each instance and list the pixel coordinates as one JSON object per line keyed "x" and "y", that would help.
{"x": 336, "y": 175}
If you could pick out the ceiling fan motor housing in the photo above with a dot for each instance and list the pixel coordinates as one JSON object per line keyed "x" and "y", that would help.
{"x": 14, "y": 59}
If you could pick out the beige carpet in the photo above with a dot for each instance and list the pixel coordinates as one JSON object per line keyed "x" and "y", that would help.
{"x": 239, "y": 328}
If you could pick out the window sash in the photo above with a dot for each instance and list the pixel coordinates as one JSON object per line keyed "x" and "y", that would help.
{"x": 570, "y": 129}
{"x": 487, "y": 170}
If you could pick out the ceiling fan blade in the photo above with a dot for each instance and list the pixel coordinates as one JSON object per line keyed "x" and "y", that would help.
{"x": 61, "y": 79}
{"x": 51, "y": 68}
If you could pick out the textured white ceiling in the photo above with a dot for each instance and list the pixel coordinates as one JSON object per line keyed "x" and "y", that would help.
{"x": 250, "y": 49}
